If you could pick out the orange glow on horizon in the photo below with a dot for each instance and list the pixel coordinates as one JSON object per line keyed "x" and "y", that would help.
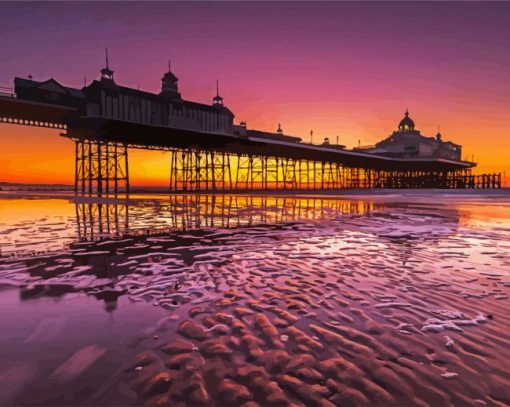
{"x": 346, "y": 69}
{"x": 41, "y": 156}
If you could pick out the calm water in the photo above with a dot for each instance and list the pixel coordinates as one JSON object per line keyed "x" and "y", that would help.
{"x": 203, "y": 300}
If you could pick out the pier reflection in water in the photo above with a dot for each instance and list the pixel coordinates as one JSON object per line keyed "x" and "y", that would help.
{"x": 97, "y": 220}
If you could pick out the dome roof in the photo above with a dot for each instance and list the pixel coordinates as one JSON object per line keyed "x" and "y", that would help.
{"x": 406, "y": 124}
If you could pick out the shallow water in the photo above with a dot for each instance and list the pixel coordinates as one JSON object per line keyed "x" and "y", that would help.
{"x": 260, "y": 300}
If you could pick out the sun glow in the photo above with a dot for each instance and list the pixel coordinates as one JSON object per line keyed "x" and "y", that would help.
{"x": 41, "y": 156}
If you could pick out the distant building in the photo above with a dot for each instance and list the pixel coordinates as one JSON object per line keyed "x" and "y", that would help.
{"x": 409, "y": 142}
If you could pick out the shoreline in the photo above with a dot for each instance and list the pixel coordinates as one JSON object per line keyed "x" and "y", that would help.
{"x": 373, "y": 194}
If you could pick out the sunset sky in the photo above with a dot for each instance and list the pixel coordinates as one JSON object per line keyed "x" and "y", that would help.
{"x": 347, "y": 69}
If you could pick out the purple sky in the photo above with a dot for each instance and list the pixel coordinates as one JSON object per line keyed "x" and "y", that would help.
{"x": 337, "y": 68}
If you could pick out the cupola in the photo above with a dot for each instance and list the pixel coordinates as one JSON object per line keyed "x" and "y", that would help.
{"x": 169, "y": 87}
{"x": 106, "y": 72}
{"x": 406, "y": 124}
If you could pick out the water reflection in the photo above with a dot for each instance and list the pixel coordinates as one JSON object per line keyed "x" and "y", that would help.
{"x": 107, "y": 241}
{"x": 388, "y": 299}
{"x": 96, "y": 220}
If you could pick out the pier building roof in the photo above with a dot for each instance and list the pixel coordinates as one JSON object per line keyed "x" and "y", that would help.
{"x": 406, "y": 124}
{"x": 29, "y": 88}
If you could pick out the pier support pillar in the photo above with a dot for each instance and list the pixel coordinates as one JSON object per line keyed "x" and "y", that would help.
{"x": 101, "y": 168}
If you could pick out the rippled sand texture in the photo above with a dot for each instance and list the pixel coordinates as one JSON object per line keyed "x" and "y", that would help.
{"x": 391, "y": 305}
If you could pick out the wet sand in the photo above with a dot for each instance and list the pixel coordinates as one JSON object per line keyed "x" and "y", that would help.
{"x": 257, "y": 301}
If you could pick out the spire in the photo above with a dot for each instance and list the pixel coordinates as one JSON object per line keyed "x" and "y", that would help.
{"x": 218, "y": 100}
{"x": 438, "y": 135}
{"x": 106, "y": 72}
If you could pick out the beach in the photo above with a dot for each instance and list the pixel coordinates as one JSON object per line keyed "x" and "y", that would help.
{"x": 358, "y": 299}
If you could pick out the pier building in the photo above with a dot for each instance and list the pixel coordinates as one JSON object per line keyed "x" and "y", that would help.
{"x": 407, "y": 141}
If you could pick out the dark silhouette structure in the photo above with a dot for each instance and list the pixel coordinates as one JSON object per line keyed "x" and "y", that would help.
{"x": 207, "y": 151}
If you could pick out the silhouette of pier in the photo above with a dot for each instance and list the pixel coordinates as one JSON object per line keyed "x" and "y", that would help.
{"x": 207, "y": 152}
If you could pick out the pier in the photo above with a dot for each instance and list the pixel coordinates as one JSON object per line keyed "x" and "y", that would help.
{"x": 207, "y": 151}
